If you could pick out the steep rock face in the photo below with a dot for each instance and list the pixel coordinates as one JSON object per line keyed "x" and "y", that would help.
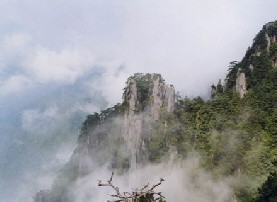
{"x": 241, "y": 84}
{"x": 146, "y": 97}
{"x": 132, "y": 125}
{"x": 118, "y": 136}
{"x": 270, "y": 34}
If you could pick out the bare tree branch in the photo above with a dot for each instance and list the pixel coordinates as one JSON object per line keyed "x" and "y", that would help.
{"x": 148, "y": 194}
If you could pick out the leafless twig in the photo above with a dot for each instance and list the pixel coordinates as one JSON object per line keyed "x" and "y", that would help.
{"x": 144, "y": 193}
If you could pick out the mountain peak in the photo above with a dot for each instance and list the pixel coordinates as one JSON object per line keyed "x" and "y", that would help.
{"x": 145, "y": 98}
{"x": 258, "y": 63}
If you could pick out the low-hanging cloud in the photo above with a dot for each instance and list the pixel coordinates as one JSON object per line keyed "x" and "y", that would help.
{"x": 45, "y": 96}
{"x": 185, "y": 180}
{"x": 15, "y": 84}
{"x": 35, "y": 180}
{"x": 64, "y": 66}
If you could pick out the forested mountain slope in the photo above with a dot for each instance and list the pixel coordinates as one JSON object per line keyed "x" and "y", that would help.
{"x": 234, "y": 132}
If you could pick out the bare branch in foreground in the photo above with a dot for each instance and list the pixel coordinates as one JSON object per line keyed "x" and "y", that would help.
{"x": 145, "y": 193}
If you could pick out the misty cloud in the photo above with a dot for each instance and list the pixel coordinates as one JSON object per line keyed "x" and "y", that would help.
{"x": 184, "y": 181}
{"x": 14, "y": 44}
{"x": 61, "y": 60}
{"x": 65, "y": 66}
{"x": 15, "y": 84}
{"x": 32, "y": 117}
{"x": 36, "y": 179}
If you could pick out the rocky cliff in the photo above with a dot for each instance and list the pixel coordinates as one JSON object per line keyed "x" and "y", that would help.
{"x": 145, "y": 97}
{"x": 241, "y": 84}
{"x": 119, "y": 135}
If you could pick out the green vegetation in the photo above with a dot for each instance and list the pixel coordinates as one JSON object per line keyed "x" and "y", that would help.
{"x": 235, "y": 137}
{"x": 144, "y": 84}
{"x": 268, "y": 190}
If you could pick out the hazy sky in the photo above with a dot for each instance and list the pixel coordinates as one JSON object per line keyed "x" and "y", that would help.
{"x": 189, "y": 42}
{"x": 62, "y": 57}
